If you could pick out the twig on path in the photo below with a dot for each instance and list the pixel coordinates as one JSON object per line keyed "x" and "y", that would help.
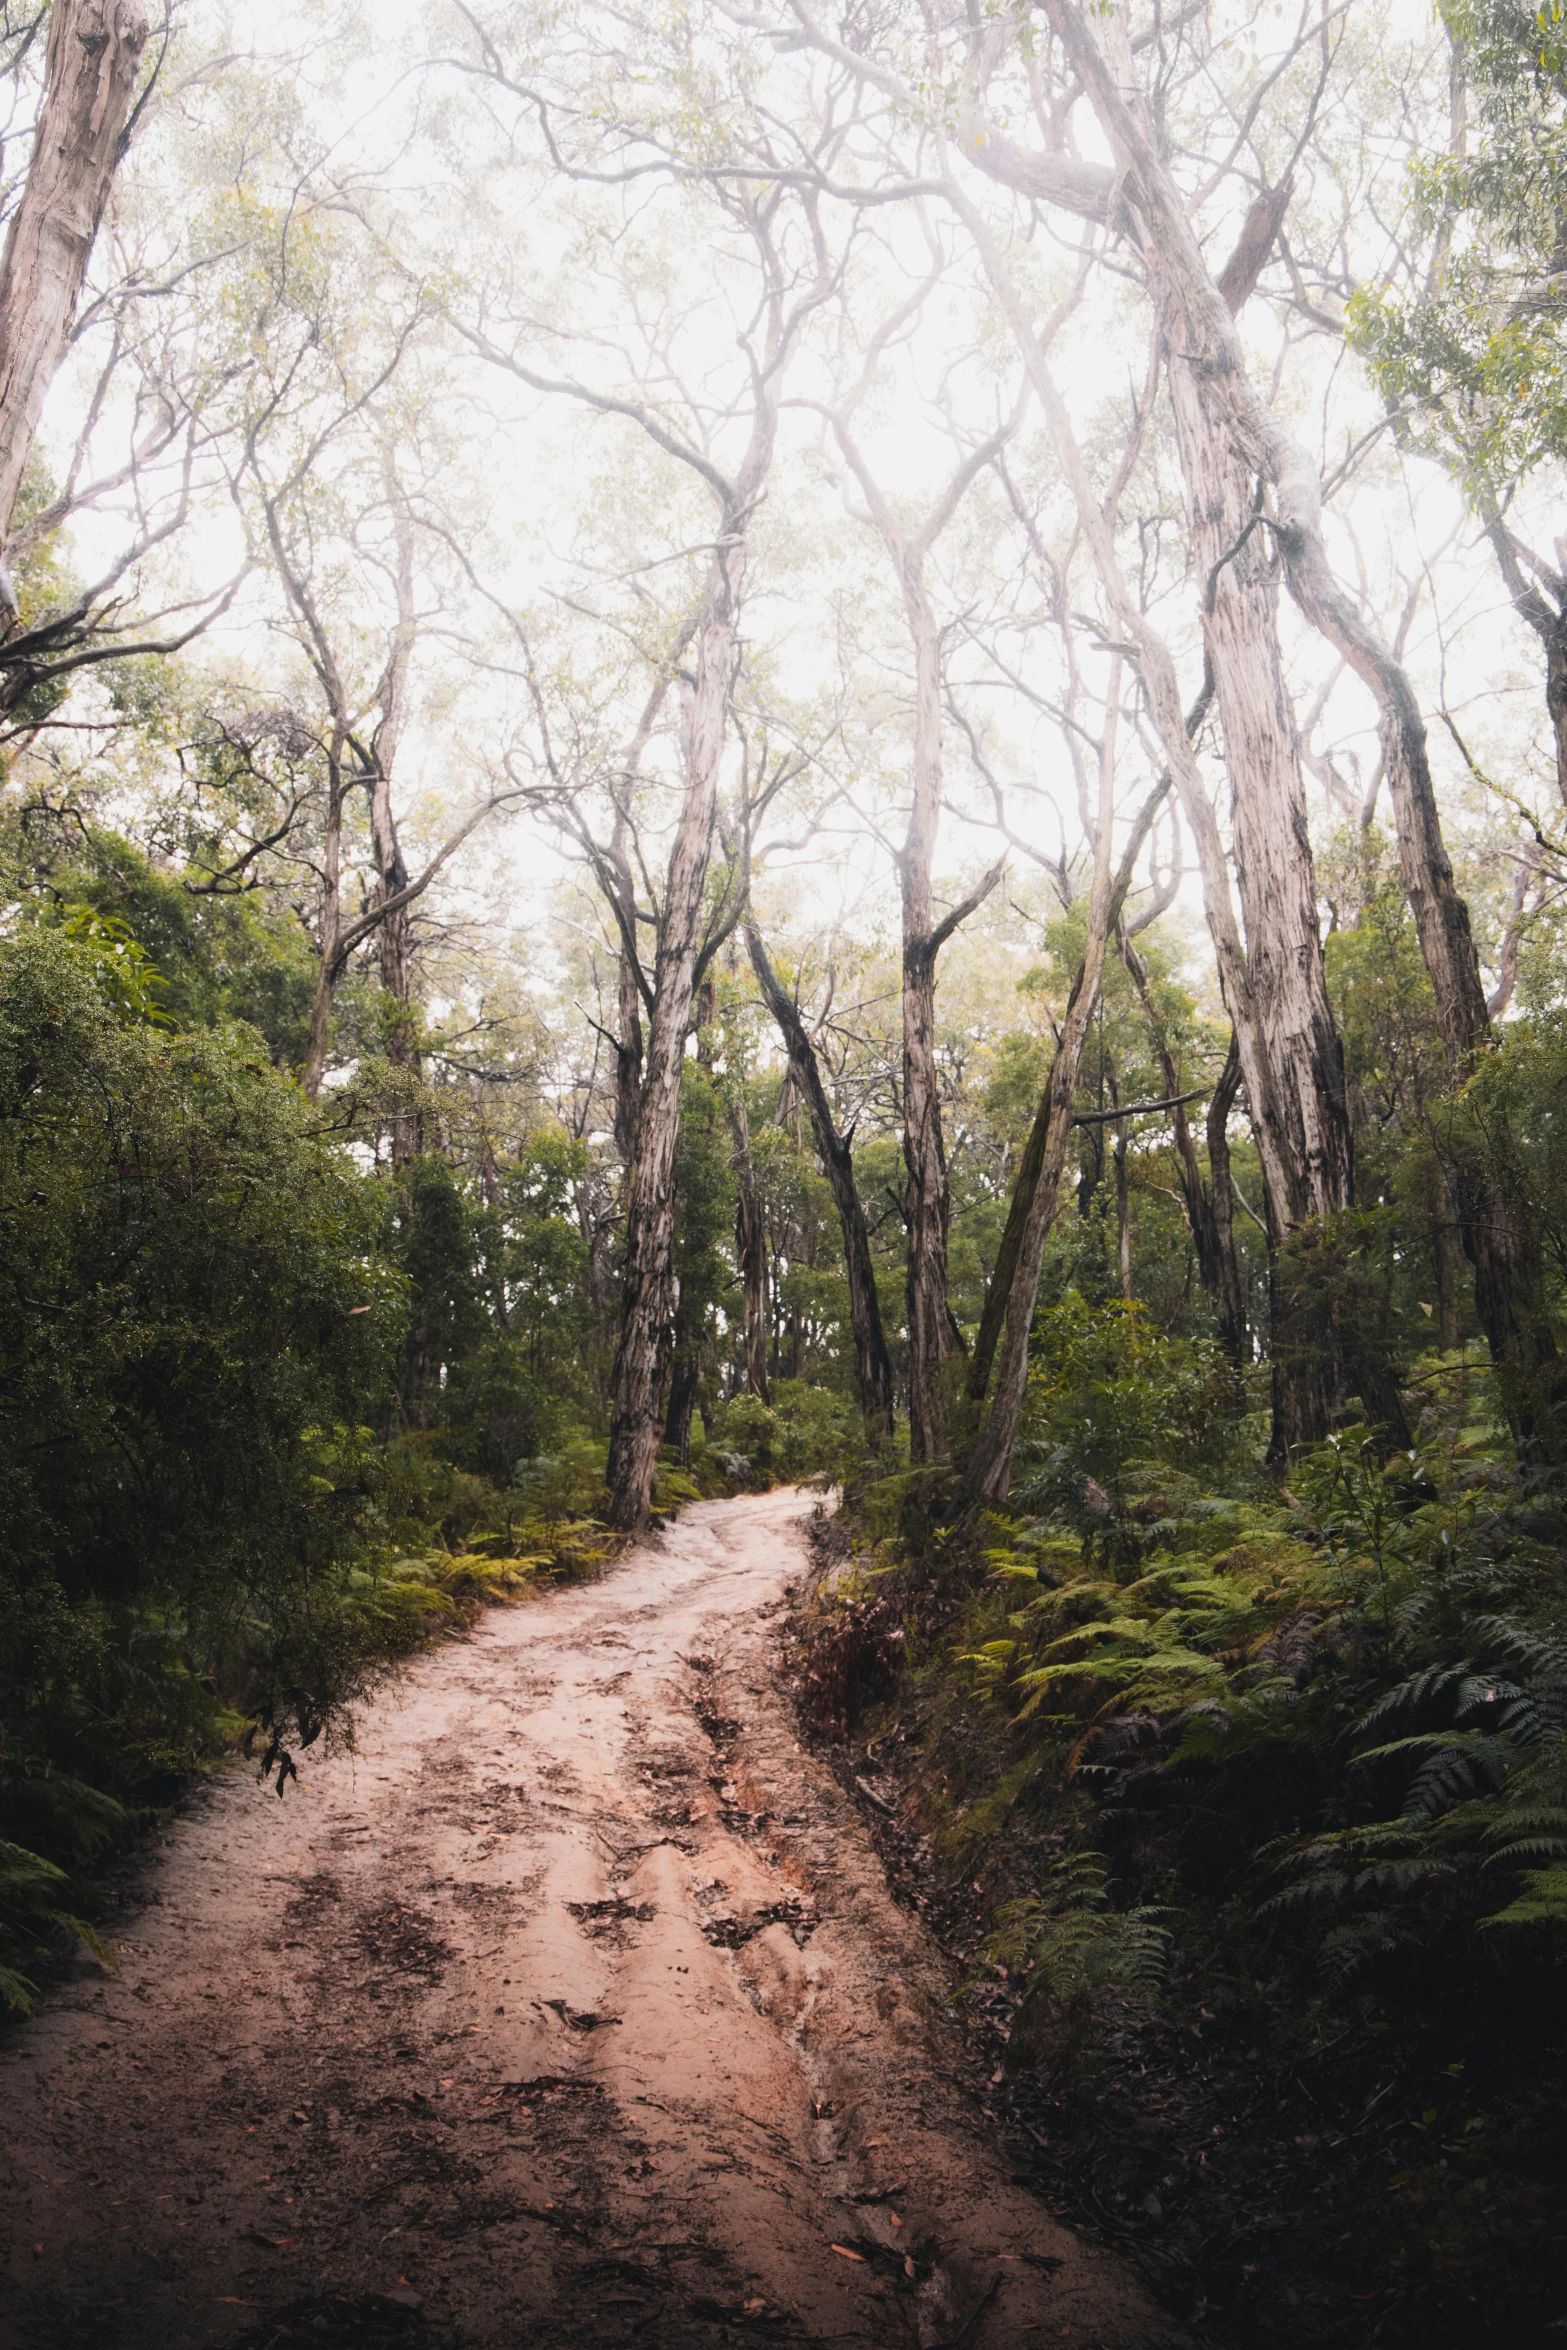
{"x": 955, "y": 2341}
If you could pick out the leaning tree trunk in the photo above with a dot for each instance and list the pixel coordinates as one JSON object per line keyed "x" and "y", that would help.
{"x": 872, "y": 1362}
{"x": 1307, "y": 1103}
{"x": 988, "y": 1471}
{"x": 1045, "y": 1135}
{"x": 1509, "y": 1290}
{"x": 1290, "y": 1030}
{"x": 1285, "y": 1115}
{"x": 94, "y": 55}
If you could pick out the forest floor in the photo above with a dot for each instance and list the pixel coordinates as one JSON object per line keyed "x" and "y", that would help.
{"x": 572, "y": 2009}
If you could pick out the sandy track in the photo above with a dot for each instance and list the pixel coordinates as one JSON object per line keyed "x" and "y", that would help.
{"x": 572, "y": 2011}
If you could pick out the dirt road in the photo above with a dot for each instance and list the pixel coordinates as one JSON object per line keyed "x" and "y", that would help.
{"x": 572, "y": 2011}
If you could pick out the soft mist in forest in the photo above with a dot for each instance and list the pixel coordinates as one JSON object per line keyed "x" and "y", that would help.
{"x": 746, "y": 744}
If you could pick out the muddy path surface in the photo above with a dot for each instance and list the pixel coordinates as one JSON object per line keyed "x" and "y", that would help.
{"x": 572, "y": 2010}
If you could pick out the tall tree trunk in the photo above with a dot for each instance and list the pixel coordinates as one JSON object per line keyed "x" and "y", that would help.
{"x": 872, "y": 1362}
{"x": 94, "y": 55}
{"x": 1312, "y": 1159}
{"x": 1229, "y": 1296}
{"x": 988, "y": 1471}
{"x": 927, "y": 1203}
{"x": 1509, "y": 1289}
{"x": 1271, "y": 977}
{"x": 628, "y": 1060}
{"x": 684, "y": 1380}
{"x": 1123, "y": 1204}
{"x": 648, "y": 1296}
{"x": 1208, "y": 1210}
{"x": 394, "y": 936}
{"x": 329, "y": 921}
{"x": 750, "y": 1252}
{"x": 1048, "y": 1134}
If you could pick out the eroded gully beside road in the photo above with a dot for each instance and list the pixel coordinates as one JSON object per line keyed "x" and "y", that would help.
{"x": 572, "y": 2010}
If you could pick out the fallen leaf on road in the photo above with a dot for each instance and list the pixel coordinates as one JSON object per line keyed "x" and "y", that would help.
{"x": 848, "y": 2255}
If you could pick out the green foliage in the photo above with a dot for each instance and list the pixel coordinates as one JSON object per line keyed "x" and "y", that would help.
{"x": 804, "y": 1432}
{"x": 1478, "y": 355}
{"x": 1072, "y": 1946}
{"x": 186, "y": 1481}
{"x": 31, "y": 1891}
{"x": 1114, "y": 1407}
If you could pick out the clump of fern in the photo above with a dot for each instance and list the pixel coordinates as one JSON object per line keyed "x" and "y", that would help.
{"x": 1071, "y": 1946}
{"x": 33, "y": 1920}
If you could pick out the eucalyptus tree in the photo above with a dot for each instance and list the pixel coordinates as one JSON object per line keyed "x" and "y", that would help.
{"x": 96, "y": 312}
{"x": 873, "y": 1369}
{"x": 1463, "y": 327}
{"x": 613, "y": 120}
{"x": 91, "y": 66}
{"x": 910, "y": 539}
{"x": 1255, "y": 521}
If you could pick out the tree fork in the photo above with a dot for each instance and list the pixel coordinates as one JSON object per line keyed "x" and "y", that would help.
{"x": 872, "y": 1361}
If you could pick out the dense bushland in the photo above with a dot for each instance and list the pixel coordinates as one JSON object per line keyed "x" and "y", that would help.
{"x": 774, "y": 864}
{"x": 269, "y": 1418}
{"x": 1248, "y": 1802}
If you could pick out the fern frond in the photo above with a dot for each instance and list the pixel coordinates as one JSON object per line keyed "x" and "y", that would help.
{"x": 1543, "y": 1901}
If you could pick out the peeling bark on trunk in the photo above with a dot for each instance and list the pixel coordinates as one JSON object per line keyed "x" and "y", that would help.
{"x": 1509, "y": 1293}
{"x": 872, "y": 1362}
{"x": 649, "y": 1293}
{"x": 94, "y": 55}
{"x": 1305, "y": 1102}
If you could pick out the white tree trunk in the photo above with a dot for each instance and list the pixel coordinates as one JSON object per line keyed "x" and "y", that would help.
{"x": 94, "y": 55}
